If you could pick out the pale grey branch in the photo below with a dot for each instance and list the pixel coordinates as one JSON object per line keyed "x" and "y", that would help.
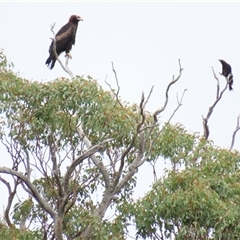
{"x": 116, "y": 94}
{"x": 218, "y": 85}
{"x": 174, "y": 80}
{"x": 211, "y": 108}
{"x": 133, "y": 168}
{"x": 148, "y": 97}
{"x": 33, "y": 190}
{"x": 235, "y": 132}
{"x": 95, "y": 160}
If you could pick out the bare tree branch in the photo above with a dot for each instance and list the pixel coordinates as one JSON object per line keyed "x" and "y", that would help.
{"x": 33, "y": 190}
{"x": 133, "y": 168}
{"x": 65, "y": 68}
{"x": 153, "y": 163}
{"x": 148, "y": 97}
{"x": 116, "y": 94}
{"x": 55, "y": 169}
{"x": 139, "y": 160}
{"x": 211, "y": 108}
{"x": 128, "y": 149}
{"x": 235, "y": 132}
{"x": 118, "y": 87}
{"x": 11, "y": 195}
{"x": 27, "y": 165}
{"x": 92, "y": 150}
{"x": 174, "y": 80}
{"x": 218, "y": 85}
{"x": 153, "y": 141}
{"x": 178, "y": 106}
{"x": 95, "y": 160}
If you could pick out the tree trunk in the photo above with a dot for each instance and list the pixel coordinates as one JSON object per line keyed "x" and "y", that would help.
{"x": 58, "y": 226}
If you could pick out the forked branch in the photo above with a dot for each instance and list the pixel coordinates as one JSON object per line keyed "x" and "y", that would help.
{"x": 174, "y": 80}
{"x": 211, "y": 108}
{"x": 31, "y": 187}
{"x": 95, "y": 160}
{"x": 140, "y": 158}
{"x": 116, "y": 94}
{"x": 11, "y": 195}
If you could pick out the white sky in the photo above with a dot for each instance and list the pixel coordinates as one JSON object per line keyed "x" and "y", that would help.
{"x": 144, "y": 40}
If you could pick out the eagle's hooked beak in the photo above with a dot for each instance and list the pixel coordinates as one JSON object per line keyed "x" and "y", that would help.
{"x": 79, "y": 18}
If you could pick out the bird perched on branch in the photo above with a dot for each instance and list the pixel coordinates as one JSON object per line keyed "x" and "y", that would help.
{"x": 64, "y": 40}
{"x": 227, "y": 72}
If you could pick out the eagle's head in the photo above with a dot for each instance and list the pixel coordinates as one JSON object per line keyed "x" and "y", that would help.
{"x": 221, "y": 61}
{"x": 75, "y": 19}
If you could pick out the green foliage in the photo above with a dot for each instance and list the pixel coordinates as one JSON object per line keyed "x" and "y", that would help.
{"x": 22, "y": 210}
{"x": 35, "y": 115}
{"x": 174, "y": 143}
{"x": 58, "y": 107}
{"x": 5, "y": 65}
{"x": 198, "y": 202}
{"x": 16, "y": 234}
{"x": 198, "y": 199}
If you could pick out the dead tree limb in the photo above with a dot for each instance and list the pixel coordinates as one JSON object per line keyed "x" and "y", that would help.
{"x": 116, "y": 94}
{"x": 211, "y": 108}
{"x": 158, "y": 111}
{"x": 140, "y": 159}
{"x": 95, "y": 160}
{"x": 148, "y": 97}
{"x": 118, "y": 87}
{"x": 235, "y": 132}
{"x": 174, "y": 80}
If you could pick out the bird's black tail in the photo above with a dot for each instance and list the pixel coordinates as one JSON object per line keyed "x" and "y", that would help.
{"x": 51, "y": 61}
{"x": 230, "y": 81}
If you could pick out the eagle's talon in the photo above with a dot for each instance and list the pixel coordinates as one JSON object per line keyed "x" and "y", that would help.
{"x": 68, "y": 55}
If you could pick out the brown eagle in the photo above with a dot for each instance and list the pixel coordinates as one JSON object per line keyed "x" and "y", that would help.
{"x": 227, "y": 72}
{"x": 65, "y": 38}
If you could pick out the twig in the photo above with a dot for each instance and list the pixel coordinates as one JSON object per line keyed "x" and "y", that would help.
{"x": 218, "y": 86}
{"x": 157, "y": 112}
{"x": 153, "y": 163}
{"x": 118, "y": 87}
{"x": 95, "y": 160}
{"x": 211, "y": 108}
{"x": 115, "y": 73}
{"x": 149, "y": 95}
{"x": 143, "y": 116}
{"x": 235, "y": 132}
{"x": 65, "y": 68}
{"x": 178, "y": 106}
{"x": 153, "y": 141}
{"x": 174, "y": 80}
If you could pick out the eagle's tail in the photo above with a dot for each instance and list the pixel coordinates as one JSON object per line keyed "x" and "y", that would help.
{"x": 51, "y": 60}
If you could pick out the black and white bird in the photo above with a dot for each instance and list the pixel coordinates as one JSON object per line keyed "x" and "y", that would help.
{"x": 227, "y": 72}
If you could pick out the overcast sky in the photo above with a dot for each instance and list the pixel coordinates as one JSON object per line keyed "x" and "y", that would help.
{"x": 144, "y": 41}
